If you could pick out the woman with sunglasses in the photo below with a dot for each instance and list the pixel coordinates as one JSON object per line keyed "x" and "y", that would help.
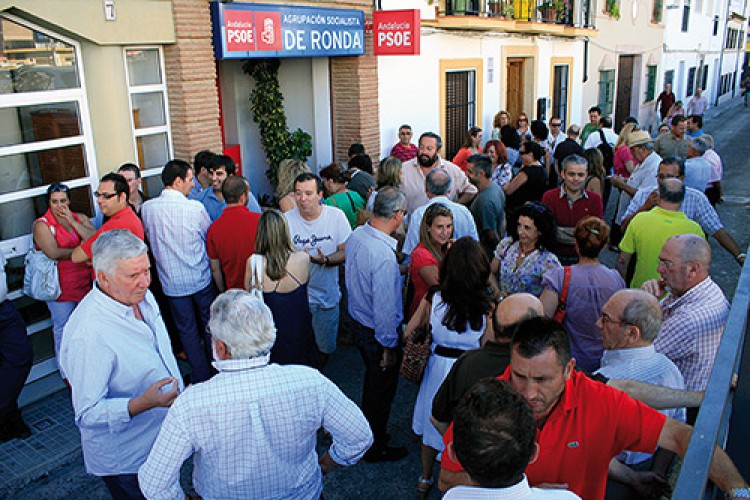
{"x": 57, "y": 233}
{"x": 472, "y": 145}
{"x": 522, "y": 127}
{"x": 530, "y": 182}
{"x": 523, "y": 257}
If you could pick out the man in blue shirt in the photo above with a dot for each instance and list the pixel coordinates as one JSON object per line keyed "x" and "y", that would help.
{"x": 202, "y": 175}
{"x": 220, "y": 167}
{"x": 374, "y": 284}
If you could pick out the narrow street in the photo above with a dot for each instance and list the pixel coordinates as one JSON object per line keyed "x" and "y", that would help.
{"x": 49, "y": 464}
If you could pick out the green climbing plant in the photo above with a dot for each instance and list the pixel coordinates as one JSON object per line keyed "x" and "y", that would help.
{"x": 267, "y": 105}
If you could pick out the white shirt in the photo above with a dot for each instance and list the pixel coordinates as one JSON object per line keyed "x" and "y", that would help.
{"x": 3, "y": 281}
{"x": 519, "y": 491}
{"x": 110, "y": 357}
{"x": 553, "y": 141}
{"x": 644, "y": 175}
{"x": 252, "y": 430}
{"x": 329, "y": 230}
{"x": 697, "y": 173}
{"x": 594, "y": 138}
{"x": 463, "y": 222}
{"x": 176, "y": 232}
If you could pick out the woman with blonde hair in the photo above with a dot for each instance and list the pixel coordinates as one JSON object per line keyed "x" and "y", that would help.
{"x": 289, "y": 169}
{"x": 284, "y": 286}
{"x": 501, "y": 119}
{"x": 623, "y": 160}
{"x": 389, "y": 174}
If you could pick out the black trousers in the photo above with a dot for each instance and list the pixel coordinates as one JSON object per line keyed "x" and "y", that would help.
{"x": 16, "y": 357}
{"x": 379, "y": 385}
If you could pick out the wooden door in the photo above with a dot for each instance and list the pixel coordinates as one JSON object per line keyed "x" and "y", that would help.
{"x": 514, "y": 95}
{"x": 624, "y": 90}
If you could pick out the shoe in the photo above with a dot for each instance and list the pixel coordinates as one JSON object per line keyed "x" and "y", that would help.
{"x": 16, "y": 429}
{"x": 385, "y": 454}
{"x": 424, "y": 486}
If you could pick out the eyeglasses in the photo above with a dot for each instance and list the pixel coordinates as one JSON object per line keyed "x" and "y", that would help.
{"x": 607, "y": 319}
{"x": 555, "y": 124}
{"x": 523, "y": 120}
{"x": 405, "y": 133}
{"x": 536, "y": 206}
{"x": 106, "y": 196}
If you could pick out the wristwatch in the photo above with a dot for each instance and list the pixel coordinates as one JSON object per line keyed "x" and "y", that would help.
{"x": 738, "y": 493}
{"x": 740, "y": 256}
{"x": 325, "y": 261}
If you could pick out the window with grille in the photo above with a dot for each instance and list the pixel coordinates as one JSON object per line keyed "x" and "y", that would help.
{"x": 651, "y": 83}
{"x": 606, "y": 90}
{"x": 460, "y": 108}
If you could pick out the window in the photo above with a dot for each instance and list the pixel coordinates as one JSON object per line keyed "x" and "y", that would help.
{"x": 716, "y": 25}
{"x": 45, "y": 137}
{"x": 651, "y": 83}
{"x": 560, "y": 93}
{"x": 685, "y": 16}
{"x": 657, "y": 13}
{"x": 704, "y": 78}
{"x": 691, "y": 81}
{"x": 606, "y": 90}
{"x": 669, "y": 77}
{"x": 460, "y": 108}
{"x": 149, "y": 111}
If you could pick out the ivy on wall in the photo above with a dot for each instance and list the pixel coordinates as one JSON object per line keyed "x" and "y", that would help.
{"x": 267, "y": 105}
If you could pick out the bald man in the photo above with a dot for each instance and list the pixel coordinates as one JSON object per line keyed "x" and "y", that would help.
{"x": 694, "y": 309}
{"x": 489, "y": 361}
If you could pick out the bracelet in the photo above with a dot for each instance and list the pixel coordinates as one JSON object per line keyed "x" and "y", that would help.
{"x": 325, "y": 261}
{"x": 740, "y": 256}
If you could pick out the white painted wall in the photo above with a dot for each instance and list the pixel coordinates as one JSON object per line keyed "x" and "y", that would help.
{"x": 409, "y": 86}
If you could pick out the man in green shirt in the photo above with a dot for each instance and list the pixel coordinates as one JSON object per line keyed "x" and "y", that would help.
{"x": 595, "y": 114}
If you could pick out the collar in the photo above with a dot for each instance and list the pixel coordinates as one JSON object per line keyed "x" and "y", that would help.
{"x": 614, "y": 356}
{"x": 563, "y": 193}
{"x": 385, "y": 238}
{"x": 122, "y": 213}
{"x": 172, "y": 193}
{"x": 238, "y": 365}
{"x": 113, "y": 306}
{"x": 672, "y": 301}
{"x": 519, "y": 490}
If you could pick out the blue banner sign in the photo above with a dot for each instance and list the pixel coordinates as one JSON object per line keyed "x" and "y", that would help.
{"x": 243, "y": 31}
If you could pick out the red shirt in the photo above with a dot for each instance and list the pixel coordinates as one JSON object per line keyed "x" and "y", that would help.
{"x": 404, "y": 153}
{"x": 124, "y": 219}
{"x": 231, "y": 241}
{"x": 590, "y": 424}
{"x": 566, "y": 215}
{"x": 420, "y": 257}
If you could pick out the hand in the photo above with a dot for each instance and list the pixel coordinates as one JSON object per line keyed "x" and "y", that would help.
{"x": 319, "y": 259}
{"x": 651, "y": 201}
{"x": 656, "y": 287}
{"x": 326, "y": 463}
{"x": 65, "y": 214}
{"x": 155, "y": 397}
{"x": 389, "y": 358}
{"x": 617, "y": 181}
{"x": 650, "y": 485}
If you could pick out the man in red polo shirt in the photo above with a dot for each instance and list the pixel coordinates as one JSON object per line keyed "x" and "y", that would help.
{"x": 570, "y": 203}
{"x": 230, "y": 240}
{"x": 112, "y": 197}
{"x": 582, "y": 424}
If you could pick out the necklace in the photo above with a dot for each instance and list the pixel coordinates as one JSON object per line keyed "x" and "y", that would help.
{"x": 523, "y": 253}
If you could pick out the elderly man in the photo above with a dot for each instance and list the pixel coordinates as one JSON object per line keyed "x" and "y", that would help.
{"x": 415, "y": 171}
{"x": 695, "y": 205}
{"x": 697, "y": 169}
{"x": 488, "y": 208}
{"x": 675, "y": 143}
{"x": 112, "y": 197}
{"x": 252, "y": 429}
{"x": 570, "y": 203}
{"x": 374, "y": 283}
{"x": 495, "y": 440}
{"x": 116, "y": 354}
{"x": 648, "y": 231}
{"x": 437, "y": 186}
{"x": 694, "y": 310}
{"x": 644, "y": 175}
{"x": 176, "y": 228}
{"x": 713, "y": 192}
{"x": 629, "y": 324}
{"x": 582, "y": 424}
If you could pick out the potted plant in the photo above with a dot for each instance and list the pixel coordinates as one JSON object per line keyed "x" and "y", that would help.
{"x": 612, "y": 7}
{"x": 550, "y": 9}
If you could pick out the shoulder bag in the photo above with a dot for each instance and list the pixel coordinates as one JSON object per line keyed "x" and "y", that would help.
{"x": 416, "y": 351}
{"x": 41, "y": 279}
{"x": 560, "y": 311}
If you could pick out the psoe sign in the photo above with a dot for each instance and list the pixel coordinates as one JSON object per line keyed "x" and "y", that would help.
{"x": 396, "y": 32}
{"x": 243, "y": 31}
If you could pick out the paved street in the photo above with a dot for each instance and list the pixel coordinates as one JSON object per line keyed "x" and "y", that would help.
{"x": 49, "y": 464}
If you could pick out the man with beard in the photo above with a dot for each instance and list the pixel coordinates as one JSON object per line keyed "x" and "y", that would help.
{"x": 415, "y": 171}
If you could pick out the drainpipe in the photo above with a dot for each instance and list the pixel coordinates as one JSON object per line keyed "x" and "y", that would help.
{"x": 721, "y": 56}
{"x": 739, "y": 49}
{"x": 586, "y": 59}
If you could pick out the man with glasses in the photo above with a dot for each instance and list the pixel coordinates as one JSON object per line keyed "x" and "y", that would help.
{"x": 556, "y": 135}
{"x": 404, "y": 150}
{"x": 112, "y": 197}
{"x": 695, "y": 205}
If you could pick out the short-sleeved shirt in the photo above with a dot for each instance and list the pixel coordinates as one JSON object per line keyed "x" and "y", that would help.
{"x": 231, "y": 241}
{"x": 622, "y": 156}
{"x": 590, "y": 424}
{"x": 488, "y": 211}
{"x": 527, "y": 277}
{"x": 413, "y": 183}
{"x": 568, "y": 214}
{"x": 695, "y": 205}
{"x": 348, "y": 202}
{"x": 566, "y": 148}
{"x": 667, "y": 101}
{"x": 326, "y": 233}
{"x": 646, "y": 235}
{"x": 361, "y": 182}
{"x": 697, "y": 173}
{"x": 124, "y": 219}
{"x": 420, "y": 257}
{"x": 404, "y": 153}
{"x": 666, "y": 145}
{"x": 587, "y": 130}
{"x": 531, "y": 190}
{"x": 643, "y": 175}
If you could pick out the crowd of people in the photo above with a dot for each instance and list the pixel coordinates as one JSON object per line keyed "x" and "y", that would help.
{"x": 495, "y": 253}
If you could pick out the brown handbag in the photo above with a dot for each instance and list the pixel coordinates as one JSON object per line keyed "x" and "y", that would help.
{"x": 416, "y": 353}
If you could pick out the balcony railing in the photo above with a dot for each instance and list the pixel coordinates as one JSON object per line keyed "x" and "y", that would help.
{"x": 575, "y": 13}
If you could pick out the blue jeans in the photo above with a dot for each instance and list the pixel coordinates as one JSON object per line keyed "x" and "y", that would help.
{"x": 16, "y": 356}
{"x": 326, "y": 327}
{"x": 191, "y": 314}
{"x": 60, "y": 312}
{"x": 124, "y": 487}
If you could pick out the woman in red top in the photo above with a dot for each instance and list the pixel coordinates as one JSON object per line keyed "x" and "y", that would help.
{"x": 56, "y": 234}
{"x": 472, "y": 145}
{"x": 435, "y": 234}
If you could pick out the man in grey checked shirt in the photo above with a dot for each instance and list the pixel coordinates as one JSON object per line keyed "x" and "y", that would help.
{"x": 253, "y": 427}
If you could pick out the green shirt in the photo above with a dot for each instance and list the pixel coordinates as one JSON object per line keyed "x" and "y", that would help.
{"x": 586, "y": 131}
{"x": 349, "y": 202}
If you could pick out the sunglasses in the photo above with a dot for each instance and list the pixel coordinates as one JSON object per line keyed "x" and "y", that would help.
{"x": 555, "y": 124}
{"x": 106, "y": 196}
{"x": 536, "y": 206}
{"x": 58, "y": 188}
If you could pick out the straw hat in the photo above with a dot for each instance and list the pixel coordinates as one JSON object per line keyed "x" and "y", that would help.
{"x": 639, "y": 138}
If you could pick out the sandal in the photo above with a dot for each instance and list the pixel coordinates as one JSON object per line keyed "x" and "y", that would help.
{"x": 424, "y": 486}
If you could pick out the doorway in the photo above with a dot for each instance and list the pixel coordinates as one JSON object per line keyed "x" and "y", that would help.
{"x": 515, "y": 85}
{"x": 624, "y": 90}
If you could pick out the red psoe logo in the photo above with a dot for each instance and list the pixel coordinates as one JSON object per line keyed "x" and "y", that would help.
{"x": 268, "y": 26}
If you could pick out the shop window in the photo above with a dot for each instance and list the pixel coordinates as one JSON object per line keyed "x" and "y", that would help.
{"x": 149, "y": 109}
{"x": 45, "y": 137}
{"x": 651, "y": 83}
{"x": 606, "y": 91}
{"x": 460, "y": 108}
